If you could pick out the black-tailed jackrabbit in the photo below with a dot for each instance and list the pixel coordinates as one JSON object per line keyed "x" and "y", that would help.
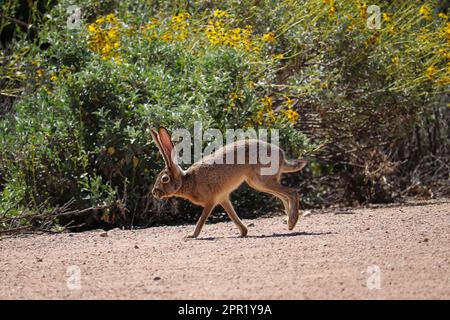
{"x": 209, "y": 182}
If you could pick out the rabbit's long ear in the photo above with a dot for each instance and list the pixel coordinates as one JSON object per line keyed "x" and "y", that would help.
{"x": 168, "y": 150}
{"x": 155, "y": 137}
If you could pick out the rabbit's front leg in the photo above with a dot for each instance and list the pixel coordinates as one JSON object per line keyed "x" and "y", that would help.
{"x": 201, "y": 221}
{"x": 228, "y": 206}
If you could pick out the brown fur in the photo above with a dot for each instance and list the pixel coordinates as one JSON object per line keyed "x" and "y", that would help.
{"x": 207, "y": 183}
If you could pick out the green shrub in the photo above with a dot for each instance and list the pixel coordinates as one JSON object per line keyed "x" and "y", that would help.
{"x": 83, "y": 136}
{"x": 375, "y": 100}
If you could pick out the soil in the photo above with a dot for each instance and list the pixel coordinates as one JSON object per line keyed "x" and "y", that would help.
{"x": 390, "y": 252}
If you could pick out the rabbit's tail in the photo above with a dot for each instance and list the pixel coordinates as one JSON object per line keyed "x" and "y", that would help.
{"x": 293, "y": 165}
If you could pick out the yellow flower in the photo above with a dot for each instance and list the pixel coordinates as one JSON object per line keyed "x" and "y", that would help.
{"x": 289, "y": 102}
{"x": 271, "y": 117}
{"x": 100, "y": 20}
{"x": 111, "y": 18}
{"x": 267, "y": 102}
{"x": 387, "y": 17}
{"x": 291, "y": 115}
{"x": 177, "y": 18}
{"x": 362, "y": 10}
{"x": 220, "y": 14}
{"x": 117, "y": 59}
{"x": 183, "y": 35}
{"x": 391, "y": 29}
{"x": 446, "y": 30}
{"x": 332, "y": 11}
{"x": 167, "y": 36}
{"x": 40, "y": 72}
{"x": 430, "y": 72}
{"x": 445, "y": 80}
{"x": 269, "y": 37}
{"x": 278, "y": 56}
{"x": 444, "y": 53}
{"x": 92, "y": 28}
{"x": 396, "y": 60}
{"x": 105, "y": 36}
{"x": 113, "y": 34}
{"x": 53, "y": 78}
{"x": 248, "y": 29}
{"x": 216, "y": 24}
{"x": 219, "y": 32}
{"x": 425, "y": 11}
{"x": 233, "y": 96}
{"x": 373, "y": 39}
{"x": 332, "y": 8}
{"x": 259, "y": 117}
{"x": 442, "y": 15}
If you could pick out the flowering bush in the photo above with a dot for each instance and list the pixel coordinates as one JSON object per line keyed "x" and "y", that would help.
{"x": 101, "y": 87}
{"x": 369, "y": 88}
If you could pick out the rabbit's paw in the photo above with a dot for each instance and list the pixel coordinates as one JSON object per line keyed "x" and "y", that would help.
{"x": 244, "y": 232}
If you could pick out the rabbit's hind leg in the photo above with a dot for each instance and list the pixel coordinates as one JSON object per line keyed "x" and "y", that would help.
{"x": 288, "y": 196}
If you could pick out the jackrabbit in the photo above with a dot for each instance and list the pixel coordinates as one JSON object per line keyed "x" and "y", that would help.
{"x": 210, "y": 181}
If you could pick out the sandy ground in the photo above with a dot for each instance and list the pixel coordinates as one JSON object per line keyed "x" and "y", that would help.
{"x": 398, "y": 252}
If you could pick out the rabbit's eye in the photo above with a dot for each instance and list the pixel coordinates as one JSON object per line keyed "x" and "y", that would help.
{"x": 165, "y": 179}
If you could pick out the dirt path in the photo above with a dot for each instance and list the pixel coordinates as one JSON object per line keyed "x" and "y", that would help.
{"x": 404, "y": 251}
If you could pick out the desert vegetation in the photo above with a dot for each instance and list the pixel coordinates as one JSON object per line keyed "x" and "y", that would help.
{"x": 362, "y": 94}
